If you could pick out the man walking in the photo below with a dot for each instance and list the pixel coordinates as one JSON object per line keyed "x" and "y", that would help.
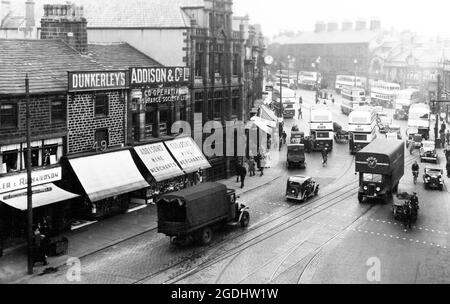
{"x": 251, "y": 166}
{"x": 242, "y": 174}
{"x": 447, "y": 137}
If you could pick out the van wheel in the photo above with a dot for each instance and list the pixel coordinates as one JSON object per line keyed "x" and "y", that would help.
{"x": 245, "y": 219}
{"x": 206, "y": 236}
{"x": 360, "y": 198}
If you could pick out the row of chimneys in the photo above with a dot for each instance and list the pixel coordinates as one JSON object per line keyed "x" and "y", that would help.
{"x": 5, "y": 10}
{"x": 347, "y": 26}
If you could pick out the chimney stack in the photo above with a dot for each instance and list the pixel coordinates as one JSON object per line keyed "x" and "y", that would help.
{"x": 320, "y": 27}
{"x": 5, "y": 9}
{"x": 332, "y": 26}
{"x": 375, "y": 25}
{"x": 65, "y": 22}
{"x": 347, "y": 26}
{"x": 29, "y": 14}
{"x": 360, "y": 25}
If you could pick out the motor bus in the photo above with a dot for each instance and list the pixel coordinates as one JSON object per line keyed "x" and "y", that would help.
{"x": 352, "y": 99}
{"x": 309, "y": 80}
{"x": 419, "y": 119}
{"x": 289, "y": 109}
{"x": 321, "y": 128}
{"x": 289, "y": 98}
{"x": 403, "y": 101}
{"x": 362, "y": 128}
{"x": 383, "y": 93}
{"x": 343, "y": 81}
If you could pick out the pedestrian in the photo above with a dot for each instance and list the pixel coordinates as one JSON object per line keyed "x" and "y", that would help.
{"x": 325, "y": 156}
{"x": 332, "y": 100}
{"x": 238, "y": 171}
{"x": 39, "y": 255}
{"x": 442, "y": 136}
{"x": 301, "y": 100}
{"x": 258, "y": 161}
{"x": 242, "y": 174}
{"x": 251, "y": 166}
{"x": 197, "y": 177}
{"x": 407, "y": 215}
{"x": 300, "y": 113}
{"x": 263, "y": 164}
{"x": 447, "y": 137}
{"x": 448, "y": 168}
{"x": 284, "y": 137}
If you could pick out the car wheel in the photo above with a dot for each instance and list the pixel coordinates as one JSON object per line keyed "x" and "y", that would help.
{"x": 360, "y": 198}
{"x": 206, "y": 236}
{"x": 245, "y": 219}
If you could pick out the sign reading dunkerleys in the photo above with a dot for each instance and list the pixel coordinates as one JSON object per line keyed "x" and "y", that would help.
{"x": 101, "y": 80}
{"x": 140, "y": 77}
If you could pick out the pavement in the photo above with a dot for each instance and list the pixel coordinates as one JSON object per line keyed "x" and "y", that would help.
{"x": 107, "y": 233}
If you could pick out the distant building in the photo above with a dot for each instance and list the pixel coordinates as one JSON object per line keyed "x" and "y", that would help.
{"x": 341, "y": 51}
{"x": 17, "y": 24}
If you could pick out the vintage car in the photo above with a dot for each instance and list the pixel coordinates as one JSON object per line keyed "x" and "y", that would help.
{"x": 432, "y": 178}
{"x": 301, "y": 188}
{"x": 383, "y": 123}
{"x": 193, "y": 213}
{"x": 428, "y": 152}
{"x": 295, "y": 156}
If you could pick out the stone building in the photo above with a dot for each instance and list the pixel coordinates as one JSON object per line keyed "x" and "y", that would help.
{"x": 342, "y": 51}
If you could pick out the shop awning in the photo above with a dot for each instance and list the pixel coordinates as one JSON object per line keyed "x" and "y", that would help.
{"x": 158, "y": 161}
{"x": 261, "y": 125}
{"x": 43, "y": 195}
{"x": 188, "y": 154}
{"x": 269, "y": 123}
{"x": 108, "y": 175}
{"x": 268, "y": 114}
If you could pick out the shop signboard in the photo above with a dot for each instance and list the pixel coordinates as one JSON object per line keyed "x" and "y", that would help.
{"x": 164, "y": 95}
{"x": 155, "y": 76}
{"x": 19, "y": 181}
{"x": 187, "y": 154}
{"x": 98, "y": 80}
{"x": 158, "y": 161}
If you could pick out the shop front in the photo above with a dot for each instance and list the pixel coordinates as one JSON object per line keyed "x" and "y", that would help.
{"x": 106, "y": 182}
{"x": 159, "y": 98}
{"x": 160, "y": 170}
{"x": 49, "y": 202}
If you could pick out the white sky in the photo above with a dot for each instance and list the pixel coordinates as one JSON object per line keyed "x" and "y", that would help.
{"x": 430, "y": 17}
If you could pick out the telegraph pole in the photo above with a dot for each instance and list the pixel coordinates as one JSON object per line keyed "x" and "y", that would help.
{"x": 438, "y": 110}
{"x": 29, "y": 189}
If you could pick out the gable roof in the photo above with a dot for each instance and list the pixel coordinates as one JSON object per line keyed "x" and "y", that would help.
{"x": 131, "y": 13}
{"x": 48, "y": 61}
{"x": 119, "y": 56}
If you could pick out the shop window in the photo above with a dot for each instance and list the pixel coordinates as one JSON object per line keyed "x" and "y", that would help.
{"x": 50, "y": 155}
{"x": 58, "y": 109}
{"x": 34, "y": 157}
{"x": 9, "y": 161}
{"x": 8, "y": 115}
{"x": 101, "y": 105}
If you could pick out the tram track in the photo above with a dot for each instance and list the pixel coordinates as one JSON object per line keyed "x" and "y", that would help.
{"x": 214, "y": 258}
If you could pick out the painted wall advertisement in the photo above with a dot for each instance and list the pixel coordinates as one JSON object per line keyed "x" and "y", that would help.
{"x": 19, "y": 181}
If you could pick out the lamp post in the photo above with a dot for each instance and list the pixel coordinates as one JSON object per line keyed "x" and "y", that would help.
{"x": 355, "y": 62}
{"x": 29, "y": 181}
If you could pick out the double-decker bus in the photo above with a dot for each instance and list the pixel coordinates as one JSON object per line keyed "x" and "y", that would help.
{"x": 404, "y": 100}
{"x": 362, "y": 128}
{"x": 352, "y": 99}
{"x": 344, "y": 81}
{"x": 289, "y": 100}
{"x": 419, "y": 118}
{"x": 309, "y": 80}
{"x": 383, "y": 93}
{"x": 321, "y": 128}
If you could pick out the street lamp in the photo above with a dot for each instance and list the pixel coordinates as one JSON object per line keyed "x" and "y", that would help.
{"x": 355, "y": 62}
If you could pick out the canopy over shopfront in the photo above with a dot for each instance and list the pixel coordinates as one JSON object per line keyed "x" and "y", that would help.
{"x": 43, "y": 195}
{"x": 268, "y": 114}
{"x": 188, "y": 154}
{"x": 158, "y": 161}
{"x": 260, "y": 125}
{"x": 107, "y": 175}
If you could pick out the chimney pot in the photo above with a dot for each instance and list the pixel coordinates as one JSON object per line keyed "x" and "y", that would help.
{"x": 360, "y": 25}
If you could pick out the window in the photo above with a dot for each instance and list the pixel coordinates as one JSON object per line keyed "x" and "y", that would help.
{"x": 372, "y": 178}
{"x": 360, "y": 137}
{"x": 8, "y": 115}
{"x": 236, "y": 64}
{"x": 9, "y": 161}
{"x": 198, "y": 64}
{"x": 101, "y": 105}
{"x": 58, "y": 109}
{"x": 50, "y": 155}
{"x": 164, "y": 122}
{"x": 34, "y": 157}
{"x": 322, "y": 135}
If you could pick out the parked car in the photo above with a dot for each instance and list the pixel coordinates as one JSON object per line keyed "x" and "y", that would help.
{"x": 301, "y": 188}
{"x": 432, "y": 178}
{"x": 428, "y": 152}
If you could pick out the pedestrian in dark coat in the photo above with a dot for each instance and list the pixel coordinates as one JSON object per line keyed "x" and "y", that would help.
{"x": 242, "y": 174}
{"x": 39, "y": 255}
{"x": 251, "y": 166}
{"x": 442, "y": 136}
{"x": 238, "y": 171}
{"x": 447, "y": 137}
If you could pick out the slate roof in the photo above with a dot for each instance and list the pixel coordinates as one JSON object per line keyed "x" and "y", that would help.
{"x": 48, "y": 61}
{"x": 119, "y": 56}
{"x": 131, "y": 13}
{"x": 334, "y": 37}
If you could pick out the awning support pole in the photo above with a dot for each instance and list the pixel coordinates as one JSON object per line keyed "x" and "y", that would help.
{"x": 29, "y": 191}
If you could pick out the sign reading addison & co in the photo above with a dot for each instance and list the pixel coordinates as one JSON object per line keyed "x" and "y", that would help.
{"x": 169, "y": 76}
{"x": 100, "y": 80}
